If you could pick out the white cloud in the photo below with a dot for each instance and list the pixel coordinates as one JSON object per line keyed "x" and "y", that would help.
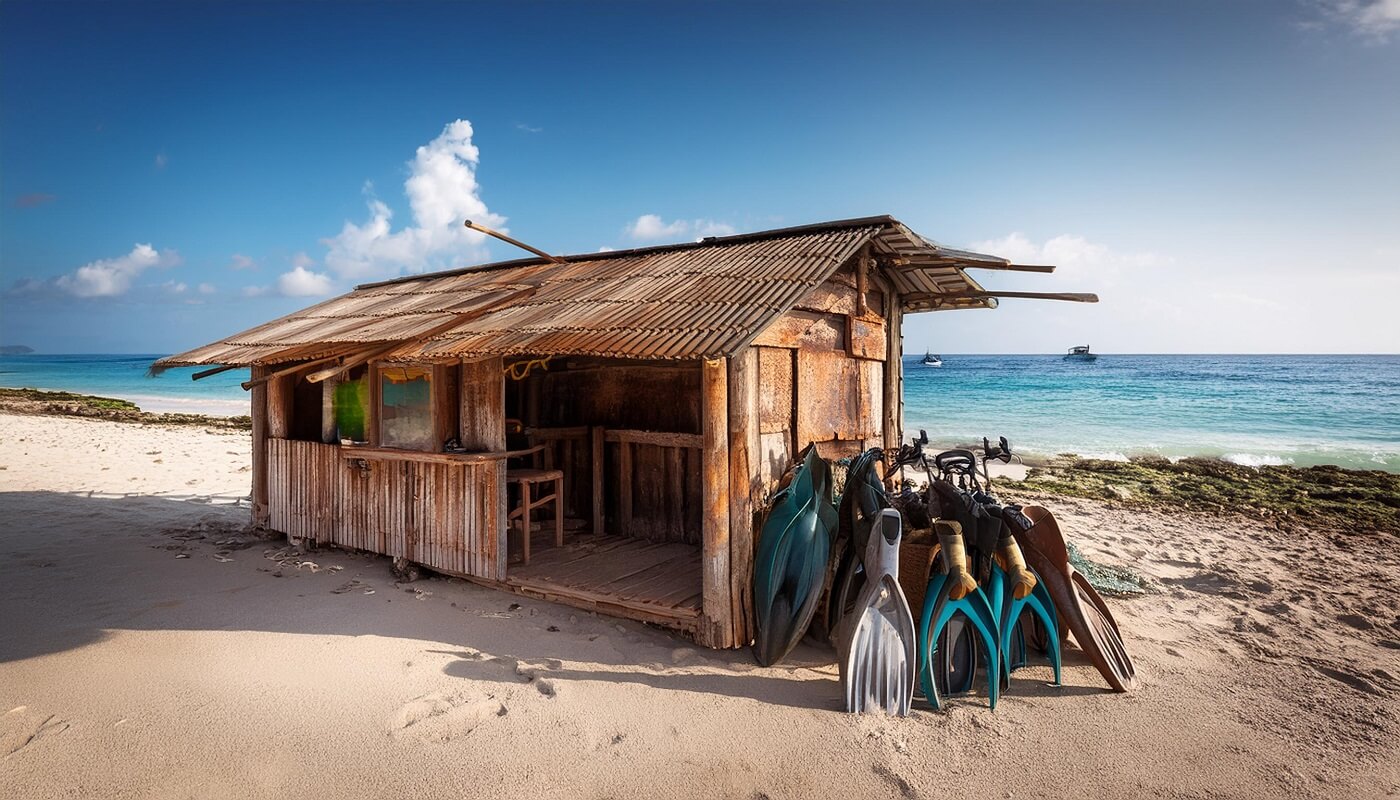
{"x": 1074, "y": 255}
{"x": 303, "y": 261}
{"x": 241, "y": 262}
{"x": 528, "y": 128}
{"x": 442, "y": 192}
{"x": 161, "y": 160}
{"x": 302, "y": 282}
{"x": 110, "y": 277}
{"x": 651, "y": 228}
{"x": 207, "y": 288}
{"x": 256, "y": 291}
{"x": 174, "y": 287}
{"x": 1372, "y": 19}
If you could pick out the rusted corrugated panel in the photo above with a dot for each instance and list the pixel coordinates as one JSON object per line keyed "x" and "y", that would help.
{"x": 681, "y": 302}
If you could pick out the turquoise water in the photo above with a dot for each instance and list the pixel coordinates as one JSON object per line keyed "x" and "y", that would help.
{"x": 1299, "y": 410}
{"x": 124, "y": 376}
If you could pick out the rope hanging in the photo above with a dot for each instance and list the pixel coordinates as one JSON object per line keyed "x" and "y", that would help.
{"x": 520, "y": 370}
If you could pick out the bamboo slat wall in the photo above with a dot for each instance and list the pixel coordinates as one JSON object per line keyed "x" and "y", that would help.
{"x": 444, "y": 516}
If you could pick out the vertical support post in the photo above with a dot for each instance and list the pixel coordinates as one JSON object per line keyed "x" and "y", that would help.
{"x": 375, "y": 394}
{"x": 596, "y": 438}
{"x": 329, "y": 433}
{"x": 259, "y": 411}
{"x": 745, "y": 488}
{"x": 716, "y": 617}
{"x": 279, "y": 406}
{"x": 893, "y": 421}
{"x": 863, "y": 281}
{"x": 482, "y": 404}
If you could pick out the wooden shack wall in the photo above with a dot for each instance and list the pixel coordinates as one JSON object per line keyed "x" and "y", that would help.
{"x": 445, "y": 515}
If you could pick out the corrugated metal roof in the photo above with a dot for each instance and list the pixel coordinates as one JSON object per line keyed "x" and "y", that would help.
{"x": 696, "y": 300}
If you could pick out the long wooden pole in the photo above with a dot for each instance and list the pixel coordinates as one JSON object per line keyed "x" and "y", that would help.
{"x": 717, "y": 614}
{"x": 745, "y": 484}
{"x": 542, "y": 254}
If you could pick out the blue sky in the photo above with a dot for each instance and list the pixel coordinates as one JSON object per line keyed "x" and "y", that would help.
{"x": 1226, "y": 176}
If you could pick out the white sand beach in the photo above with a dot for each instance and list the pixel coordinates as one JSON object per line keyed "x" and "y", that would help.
{"x": 151, "y": 646}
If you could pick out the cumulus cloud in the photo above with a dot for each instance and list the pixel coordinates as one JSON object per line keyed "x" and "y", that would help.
{"x": 302, "y": 282}
{"x": 1074, "y": 255}
{"x": 1372, "y": 19}
{"x": 110, "y": 277}
{"x": 651, "y": 228}
{"x": 239, "y": 262}
{"x": 442, "y": 192}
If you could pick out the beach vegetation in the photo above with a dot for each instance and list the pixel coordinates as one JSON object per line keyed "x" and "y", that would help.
{"x": 1327, "y": 496}
{"x": 71, "y": 404}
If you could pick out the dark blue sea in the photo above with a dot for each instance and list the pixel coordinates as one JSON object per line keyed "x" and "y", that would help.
{"x": 1300, "y": 410}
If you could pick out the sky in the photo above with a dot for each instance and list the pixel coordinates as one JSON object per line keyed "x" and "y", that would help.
{"x": 1226, "y": 176}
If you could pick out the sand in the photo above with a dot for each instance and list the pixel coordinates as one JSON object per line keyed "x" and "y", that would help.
{"x": 151, "y": 647}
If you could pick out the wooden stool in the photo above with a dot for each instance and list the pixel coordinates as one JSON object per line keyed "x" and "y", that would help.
{"x": 527, "y": 478}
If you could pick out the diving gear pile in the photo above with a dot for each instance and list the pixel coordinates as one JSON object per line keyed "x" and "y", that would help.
{"x": 1000, "y": 591}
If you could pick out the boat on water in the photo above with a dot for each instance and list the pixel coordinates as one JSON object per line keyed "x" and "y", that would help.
{"x": 1080, "y": 353}
{"x": 931, "y": 360}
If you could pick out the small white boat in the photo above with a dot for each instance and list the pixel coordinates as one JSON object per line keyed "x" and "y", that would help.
{"x": 931, "y": 360}
{"x": 1080, "y": 353}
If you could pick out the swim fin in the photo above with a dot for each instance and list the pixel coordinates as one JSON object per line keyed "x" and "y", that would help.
{"x": 877, "y": 643}
{"x": 1078, "y": 607}
{"x": 790, "y": 566}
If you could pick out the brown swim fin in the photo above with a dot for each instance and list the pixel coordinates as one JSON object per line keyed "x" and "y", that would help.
{"x": 1080, "y": 608}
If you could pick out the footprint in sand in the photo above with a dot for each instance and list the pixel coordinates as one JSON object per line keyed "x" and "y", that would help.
{"x": 441, "y": 717}
{"x": 19, "y": 733}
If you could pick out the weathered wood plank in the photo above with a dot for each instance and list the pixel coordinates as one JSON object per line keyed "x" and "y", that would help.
{"x": 717, "y": 627}
{"x": 658, "y": 438}
{"x": 892, "y": 377}
{"x": 483, "y": 404}
{"x": 260, "y": 478}
{"x": 279, "y": 406}
{"x": 596, "y": 445}
{"x": 745, "y": 487}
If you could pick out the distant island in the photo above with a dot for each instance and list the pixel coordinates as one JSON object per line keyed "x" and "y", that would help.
{"x": 15, "y": 350}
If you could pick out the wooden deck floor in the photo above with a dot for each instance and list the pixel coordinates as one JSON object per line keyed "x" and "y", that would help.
{"x": 630, "y": 578}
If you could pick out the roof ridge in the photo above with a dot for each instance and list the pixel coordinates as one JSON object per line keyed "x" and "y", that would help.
{"x": 709, "y": 241}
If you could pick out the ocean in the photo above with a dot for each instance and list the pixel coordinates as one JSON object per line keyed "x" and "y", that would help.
{"x": 1255, "y": 410}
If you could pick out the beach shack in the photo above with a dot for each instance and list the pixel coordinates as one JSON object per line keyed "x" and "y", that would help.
{"x": 601, "y": 430}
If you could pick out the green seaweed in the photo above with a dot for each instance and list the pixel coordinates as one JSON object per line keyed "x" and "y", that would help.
{"x": 70, "y": 404}
{"x": 1329, "y": 496}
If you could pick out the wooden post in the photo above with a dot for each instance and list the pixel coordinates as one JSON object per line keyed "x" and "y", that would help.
{"x": 446, "y": 410}
{"x": 624, "y": 488}
{"x": 329, "y": 434}
{"x": 259, "y": 411}
{"x": 482, "y": 401}
{"x": 745, "y": 488}
{"x": 596, "y": 438}
{"x": 717, "y": 616}
{"x": 375, "y": 393}
{"x": 279, "y": 406}
{"x": 862, "y": 281}
{"x": 893, "y": 422}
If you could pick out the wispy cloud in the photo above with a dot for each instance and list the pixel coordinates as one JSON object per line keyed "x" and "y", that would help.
{"x": 161, "y": 160}
{"x": 652, "y": 228}
{"x": 240, "y": 262}
{"x": 442, "y": 192}
{"x": 1374, "y": 20}
{"x": 520, "y": 126}
{"x": 34, "y": 199}
{"x": 111, "y": 277}
{"x": 1075, "y": 255}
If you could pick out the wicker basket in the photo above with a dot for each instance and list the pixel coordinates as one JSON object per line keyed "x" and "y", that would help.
{"x": 915, "y": 561}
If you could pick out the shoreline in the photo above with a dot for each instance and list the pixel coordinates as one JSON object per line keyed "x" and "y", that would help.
{"x": 1337, "y": 498}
